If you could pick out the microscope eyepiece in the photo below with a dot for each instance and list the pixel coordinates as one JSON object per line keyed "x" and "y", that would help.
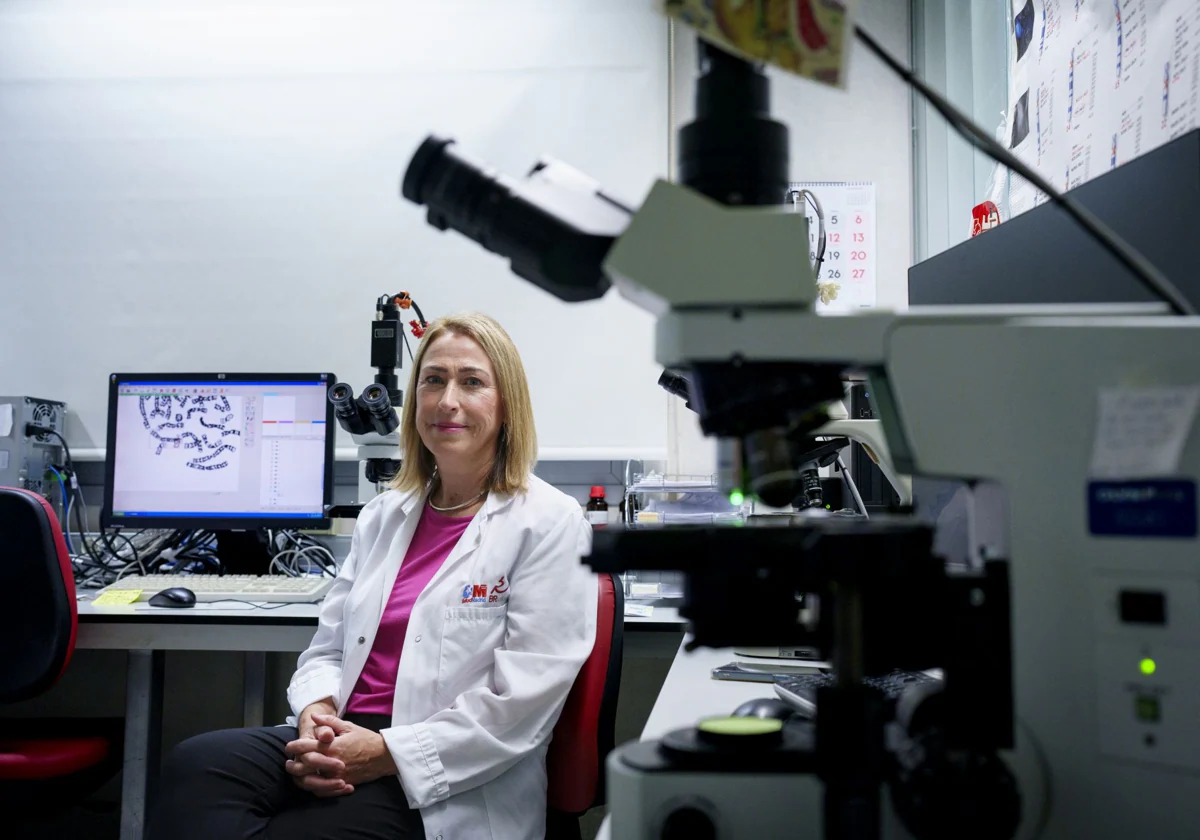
{"x": 423, "y": 170}
{"x": 342, "y": 397}
{"x": 556, "y": 226}
{"x": 375, "y": 400}
{"x": 676, "y": 384}
{"x": 347, "y": 410}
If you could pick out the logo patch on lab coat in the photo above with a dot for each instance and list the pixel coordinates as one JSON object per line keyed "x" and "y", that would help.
{"x": 481, "y": 593}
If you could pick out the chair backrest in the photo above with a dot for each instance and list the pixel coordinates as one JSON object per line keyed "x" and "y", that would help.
{"x": 584, "y": 734}
{"x": 39, "y": 584}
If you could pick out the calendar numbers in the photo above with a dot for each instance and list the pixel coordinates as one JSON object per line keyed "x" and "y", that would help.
{"x": 848, "y": 269}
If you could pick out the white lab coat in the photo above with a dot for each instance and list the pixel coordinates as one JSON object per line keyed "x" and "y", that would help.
{"x": 493, "y": 646}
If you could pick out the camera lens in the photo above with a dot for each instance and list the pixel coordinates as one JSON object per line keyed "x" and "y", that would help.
{"x": 733, "y": 152}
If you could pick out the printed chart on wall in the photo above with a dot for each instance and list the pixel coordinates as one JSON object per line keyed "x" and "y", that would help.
{"x": 848, "y": 279}
{"x": 1096, "y": 83}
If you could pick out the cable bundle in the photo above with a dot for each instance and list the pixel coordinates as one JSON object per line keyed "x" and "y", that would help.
{"x": 296, "y": 554}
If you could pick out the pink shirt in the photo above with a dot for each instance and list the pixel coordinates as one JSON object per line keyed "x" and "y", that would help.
{"x": 435, "y": 538}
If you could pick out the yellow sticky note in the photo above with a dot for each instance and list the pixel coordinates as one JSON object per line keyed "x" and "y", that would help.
{"x": 117, "y": 597}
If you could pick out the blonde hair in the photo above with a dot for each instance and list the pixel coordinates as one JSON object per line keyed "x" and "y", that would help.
{"x": 516, "y": 446}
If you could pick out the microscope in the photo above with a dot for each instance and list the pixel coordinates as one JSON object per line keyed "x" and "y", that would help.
{"x": 1068, "y": 648}
{"x": 371, "y": 418}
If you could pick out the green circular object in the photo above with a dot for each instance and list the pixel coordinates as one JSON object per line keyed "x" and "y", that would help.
{"x": 740, "y": 726}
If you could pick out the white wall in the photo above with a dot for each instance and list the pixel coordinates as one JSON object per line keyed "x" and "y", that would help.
{"x": 862, "y": 133}
{"x": 213, "y": 185}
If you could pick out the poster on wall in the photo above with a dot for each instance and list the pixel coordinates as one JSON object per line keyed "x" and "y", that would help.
{"x": 807, "y": 37}
{"x": 1094, "y": 84}
{"x": 848, "y": 280}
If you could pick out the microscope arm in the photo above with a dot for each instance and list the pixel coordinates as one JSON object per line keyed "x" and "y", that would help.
{"x": 870, "y": 434}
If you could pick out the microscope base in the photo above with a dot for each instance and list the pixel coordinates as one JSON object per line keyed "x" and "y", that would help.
{"x": 645, "y": 788}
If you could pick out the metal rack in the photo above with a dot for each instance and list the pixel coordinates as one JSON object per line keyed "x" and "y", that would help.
{"x": 670, "y": 487}
{"x": 640, "y": 486}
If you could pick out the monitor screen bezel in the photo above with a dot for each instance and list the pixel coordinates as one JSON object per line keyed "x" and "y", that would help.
{"x": 216, "y": 523}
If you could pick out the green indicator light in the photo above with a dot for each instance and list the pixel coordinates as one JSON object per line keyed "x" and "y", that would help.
{"x": 736, "y": 497}
{"x": 828, "y": 507}
{"x": 1148, "y": 666}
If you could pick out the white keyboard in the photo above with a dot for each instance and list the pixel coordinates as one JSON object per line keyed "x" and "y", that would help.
{"x": 274, "y": 589}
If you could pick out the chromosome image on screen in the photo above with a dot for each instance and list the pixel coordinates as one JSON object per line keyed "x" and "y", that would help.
{"x": 208, "y": 449}
{"x": 181, "y": 441}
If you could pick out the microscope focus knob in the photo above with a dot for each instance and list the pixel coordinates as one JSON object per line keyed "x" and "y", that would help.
{"x": 688, "y": 823}
{"x": 949, "y": 796}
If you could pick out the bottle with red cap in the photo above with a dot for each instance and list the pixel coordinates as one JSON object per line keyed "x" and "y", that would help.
{"x": 597, "y": 508}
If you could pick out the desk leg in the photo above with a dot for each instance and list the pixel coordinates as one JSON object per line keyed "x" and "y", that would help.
{"x": 143, "y": 739}
{"x": 254, "y": 688}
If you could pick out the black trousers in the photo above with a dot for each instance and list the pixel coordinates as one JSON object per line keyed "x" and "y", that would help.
{"x": 232, "y": 785}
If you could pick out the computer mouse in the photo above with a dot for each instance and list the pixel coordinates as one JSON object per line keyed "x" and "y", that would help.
{"x": 175, "y": 597}
{"x": 765, "y": 707}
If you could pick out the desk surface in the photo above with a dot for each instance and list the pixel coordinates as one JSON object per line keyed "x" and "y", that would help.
{"x": 230, "y": 612}
{"x": 238, "y": 626}
{"x": 202, "y": 613}
{"x": 689, "y": 692}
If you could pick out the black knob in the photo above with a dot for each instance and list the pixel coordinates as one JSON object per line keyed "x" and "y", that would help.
{"x": 950, "y": 796}
{"x": 688, "y": 824}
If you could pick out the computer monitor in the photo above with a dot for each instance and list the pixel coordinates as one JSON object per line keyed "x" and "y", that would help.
{"x": 225, "y": 452}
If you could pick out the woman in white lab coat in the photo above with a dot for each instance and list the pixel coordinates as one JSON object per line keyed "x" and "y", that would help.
{"x": 445, "y": 650}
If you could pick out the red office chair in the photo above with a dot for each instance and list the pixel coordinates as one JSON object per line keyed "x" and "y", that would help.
{"x": 36, "y": 575}
{"x": 584, "y": 734}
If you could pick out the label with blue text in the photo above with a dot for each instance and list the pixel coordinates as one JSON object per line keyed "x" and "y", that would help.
{"x": 1146, "y": 508}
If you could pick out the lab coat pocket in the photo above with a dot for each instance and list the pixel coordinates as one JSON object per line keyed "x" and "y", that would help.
{"x": 470, "y": 636}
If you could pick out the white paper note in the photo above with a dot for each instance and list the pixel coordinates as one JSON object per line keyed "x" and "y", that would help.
{"x": 643, "y": 590}
{"x": 6, "y": 419}
{"x": 1094, "y": 85}
{"x": 639, "y": 611}
{"x": 1140, "y": 432}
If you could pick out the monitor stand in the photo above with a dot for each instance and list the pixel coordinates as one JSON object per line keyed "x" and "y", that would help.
{"x": 243, "y": 552}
